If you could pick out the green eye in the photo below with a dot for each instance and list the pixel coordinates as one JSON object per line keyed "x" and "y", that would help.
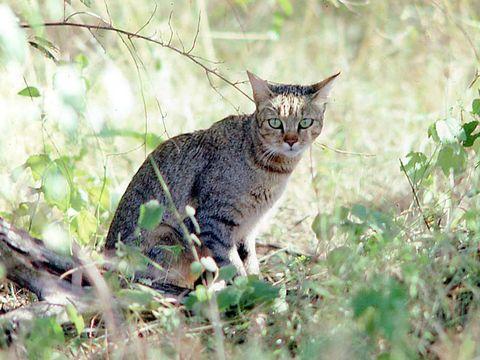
{"x": 306, "y": 123}
{"x": 275, "y": 123}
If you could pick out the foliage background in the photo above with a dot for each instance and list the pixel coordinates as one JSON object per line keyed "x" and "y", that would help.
{"x": 104, "y": 102}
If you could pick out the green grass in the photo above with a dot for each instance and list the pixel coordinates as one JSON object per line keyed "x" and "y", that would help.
{"x": 378, "y": 282}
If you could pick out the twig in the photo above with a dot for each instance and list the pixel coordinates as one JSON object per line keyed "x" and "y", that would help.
{"x": 167, "y": 45}
{"x": 345, "y": 152}
{"x": 148, "y": 21}
{"x": 415, "y": 197}
{"x": 194, "y": 42}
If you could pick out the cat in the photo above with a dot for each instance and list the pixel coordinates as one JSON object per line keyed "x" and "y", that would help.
{"x": 231, "y": 173}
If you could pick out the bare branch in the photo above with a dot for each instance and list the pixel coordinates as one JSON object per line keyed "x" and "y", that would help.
{"x": 167, "y": 45}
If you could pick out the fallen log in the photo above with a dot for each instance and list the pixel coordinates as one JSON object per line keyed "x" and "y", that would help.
{"x": 54, "y": 279}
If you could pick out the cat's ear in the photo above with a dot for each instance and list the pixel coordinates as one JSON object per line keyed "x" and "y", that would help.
{"x": 323, "y": 88}
{"x": 261, "y": 91}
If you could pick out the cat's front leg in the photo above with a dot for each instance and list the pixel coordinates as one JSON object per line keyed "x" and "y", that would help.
{"x": 248, "y": 255}
{"x": 223, "y": 254}
{"x": 217, "y": 236}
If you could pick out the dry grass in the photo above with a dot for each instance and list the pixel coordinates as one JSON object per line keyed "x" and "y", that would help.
{"x": 404, "y": 64}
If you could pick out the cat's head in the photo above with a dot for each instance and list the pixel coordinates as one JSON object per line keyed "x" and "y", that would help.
{"x": 289, "y": 117}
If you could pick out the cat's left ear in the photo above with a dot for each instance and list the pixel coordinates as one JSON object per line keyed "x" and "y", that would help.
{"x": 322, "y": 89}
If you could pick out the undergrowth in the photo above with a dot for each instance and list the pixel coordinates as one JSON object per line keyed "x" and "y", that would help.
{"x": 399, "y": 283}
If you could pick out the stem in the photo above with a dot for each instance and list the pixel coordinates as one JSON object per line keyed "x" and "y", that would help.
{"x": 415, "y": 196}
{"x": 183, "y": 227}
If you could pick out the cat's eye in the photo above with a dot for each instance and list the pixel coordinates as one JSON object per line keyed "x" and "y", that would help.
{"x": 306, "y": 123}
{"x": 275, "y": 123}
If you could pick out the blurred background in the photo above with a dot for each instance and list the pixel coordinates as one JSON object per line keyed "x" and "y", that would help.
{"x": 106, "y": 100}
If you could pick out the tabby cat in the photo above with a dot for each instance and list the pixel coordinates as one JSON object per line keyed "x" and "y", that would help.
{"x": 231, "y": 173}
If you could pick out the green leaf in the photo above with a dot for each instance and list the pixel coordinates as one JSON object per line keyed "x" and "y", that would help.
{"x": 452, "y": 158}
{"x": 228, "y": 297}
{"x": 320, "y": 226}
{"x": 277, "y": 23}
{"x": 29, "y": 91}
{"x": 44, "y": 334}
{"x": 416, "y": 166}
{"x": 469, "y": 128}
{"x": 38, "y": 164}
{"x": 151, "y": 213}
{"x": 56, "y": 188}
{"x": 337, "y": 257}
{"x": 86, "y": 226}
{"x": 286, "y": 6}
{"x": 449, "y": 131}
{"x": 201, "y": 293}
{"x": 81, "y": 60}
{"x": 75, "y": 318}
{"x": 382, "y": 310}
{"x": 46, "y": 43}
{"x": 227, "y": 272}
{"x": 262, "y": 291}
{"x": 359, "y": 211}
{"x": 196, "y": 268}
{"x": 87, "y": 3}
{"x": 476, "y": 107}
{"x": 44, "y": 46}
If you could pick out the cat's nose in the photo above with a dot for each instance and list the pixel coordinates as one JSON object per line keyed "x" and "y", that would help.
{"x": 290, "y": 139}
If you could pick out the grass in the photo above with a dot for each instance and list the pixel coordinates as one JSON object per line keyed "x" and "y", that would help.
{"x": 380, "y": 284}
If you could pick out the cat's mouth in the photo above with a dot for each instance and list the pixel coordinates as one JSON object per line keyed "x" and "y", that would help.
{"x": 291, "y": 151}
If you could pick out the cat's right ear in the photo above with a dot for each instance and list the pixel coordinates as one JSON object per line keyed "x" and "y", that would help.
{"x": 261, "y": 91}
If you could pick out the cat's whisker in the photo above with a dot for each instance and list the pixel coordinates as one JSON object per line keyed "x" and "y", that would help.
{"x": 268, "y": 155}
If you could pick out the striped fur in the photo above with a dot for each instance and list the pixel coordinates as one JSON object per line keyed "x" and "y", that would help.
{"x": 231, "y": 173}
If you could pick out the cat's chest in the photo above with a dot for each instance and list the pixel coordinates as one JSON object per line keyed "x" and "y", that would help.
{"x": 256, "y": 203}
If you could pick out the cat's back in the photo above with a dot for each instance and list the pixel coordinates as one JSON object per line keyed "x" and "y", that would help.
{"x": 180, "y": 160}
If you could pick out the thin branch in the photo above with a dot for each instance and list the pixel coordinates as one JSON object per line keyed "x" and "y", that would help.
{"x": 170, "y": 27}
{"x": 168, "y": 45}
{"x": 415, "y": 196}
{"x": 194, "y": 42}
{"x": 108, "y": 12}
{"x": 85, "y": 13}
{"x": 344, "y": 152}
{"x": 148, "y": 21}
